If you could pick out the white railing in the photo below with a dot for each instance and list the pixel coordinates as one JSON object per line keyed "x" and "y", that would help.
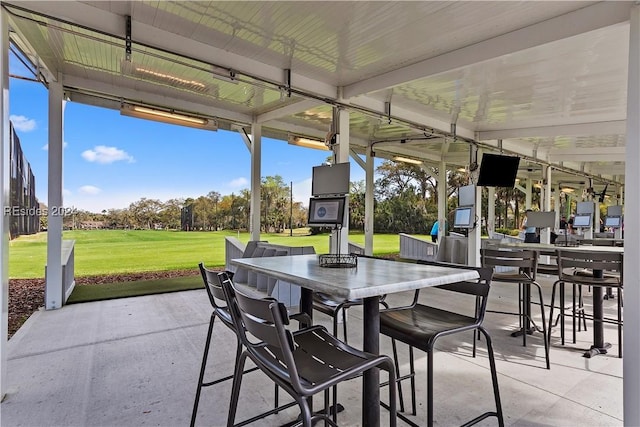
{"x": 68, "y": 268}
{"x": 416, "y": 248}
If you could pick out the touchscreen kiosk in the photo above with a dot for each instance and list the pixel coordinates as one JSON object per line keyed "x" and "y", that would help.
{"x": 464, "y": 218}
{"x": 326, "y": 211}
{"x": 613, "y": 221}
{"x": 582, "y": 221}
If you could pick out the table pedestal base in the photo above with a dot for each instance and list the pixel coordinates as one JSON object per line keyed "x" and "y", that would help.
{"x": 594, "y": 351}
{"x": 331, "y": 410}
{"x": 519, "y": 332}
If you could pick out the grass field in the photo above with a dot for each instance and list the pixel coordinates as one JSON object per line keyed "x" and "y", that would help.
{"x": 126, "y": 251}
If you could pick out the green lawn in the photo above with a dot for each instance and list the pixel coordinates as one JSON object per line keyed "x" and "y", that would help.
{"x": 120, "y": 251}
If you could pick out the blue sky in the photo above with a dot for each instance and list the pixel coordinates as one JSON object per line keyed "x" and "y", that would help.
{"x": 112, "y": 160}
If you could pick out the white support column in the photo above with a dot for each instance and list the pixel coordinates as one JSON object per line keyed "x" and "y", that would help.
{"x": 545, "y": 233}
{"x": 620, "y": 198}
{"x": 491, "y": 209}
{"x": 527, "y": 194}
{"x": 368, "y": 203}
{"x": 475, "y": 234}
{"x": 53, "y": 291}
{"x": 342, "y": 156}
{"x": 256, "y": 180}
{"x": 4, "y": 197}
{"x": 556, "y": 203}
{"x": 631, "y": 359}
{"x": 442, "y": 200}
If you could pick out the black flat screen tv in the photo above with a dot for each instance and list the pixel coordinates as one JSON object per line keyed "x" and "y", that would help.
{"x": 326, "y": 211}
{"x": 330, "y": 180}
{"x": 498, "y": 171}
{"x": 464, "y": 217}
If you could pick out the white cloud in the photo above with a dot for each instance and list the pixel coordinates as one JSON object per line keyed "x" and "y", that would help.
{"x": 302, "y": 191}
{"x": 239, "y": 182}
{"x": 45, "y": 147}
{"x": 89, "y": 190}
{"x": 105, "y": 155}
{"x": 22, "y": 123}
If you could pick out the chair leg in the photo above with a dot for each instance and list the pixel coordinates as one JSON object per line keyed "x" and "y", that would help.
{"x": 494, "y": 376}
{"x": 305, "y": 412}
{"x": 544, "y": 326}
{"x": 393, "y": 410}
{"x": 235, "y": 389}
{"x": 394, "y": 348}
{"x": 326, "y": 407}
{"x": 562, "y": 302}
{"x": 573, "y": 314}
{"x": 553, "y": 299}
{"x": 414, "y": 409}
{"x": 344, "y": 324}
{"x": 430, "y": 388}
{"x": 584, "y": 317}
{"x": 202, "y": 369}
{"x": 620, "y": 323}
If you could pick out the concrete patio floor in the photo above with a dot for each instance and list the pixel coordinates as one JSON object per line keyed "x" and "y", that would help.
{"x": 135, "y": 362}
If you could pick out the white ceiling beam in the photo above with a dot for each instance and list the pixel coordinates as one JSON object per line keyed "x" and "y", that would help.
{"x": 608, "y": 170}
{"x": 616, "y": 127}
{"x": 153, "y": 98}
{"x": 411, "y": 116}
{"x": 288, "y": 110}
{"x": 599, "y": 15}
{"x": 87, "y": 15}
{"x": 517, "y": 147}
{"x": 596, "y": 154}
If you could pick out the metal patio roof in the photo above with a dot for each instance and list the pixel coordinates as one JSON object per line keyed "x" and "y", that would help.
{"x": 543, "y": 80}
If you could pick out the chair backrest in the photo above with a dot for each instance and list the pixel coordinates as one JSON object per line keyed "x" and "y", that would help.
{"x": 524, "y": 259}
{"x": 212, "y": 285}
{"x": 264, "y": 319}
{"x": 479, "y": 288}
{"x": 593, "y": 260}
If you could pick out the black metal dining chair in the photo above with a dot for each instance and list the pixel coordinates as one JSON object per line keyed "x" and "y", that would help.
{"x": 577, "y": 268}
{"x": 220, "y": 310}
{"x": 302, "y": 362}
{"x": 336, "y": 308}
{"x": 521, "y": 266}
{"x": 420, "y": 326}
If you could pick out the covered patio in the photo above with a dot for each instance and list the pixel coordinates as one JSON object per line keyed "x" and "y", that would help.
{"x": 441, "y": 83}
{"x": 135, "y": 361}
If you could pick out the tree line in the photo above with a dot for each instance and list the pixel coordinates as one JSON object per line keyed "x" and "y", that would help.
{"x": 405, "y": 200}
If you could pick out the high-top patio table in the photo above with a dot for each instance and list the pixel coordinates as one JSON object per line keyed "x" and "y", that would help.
{"x": 599, "y": 346}
{"x": 369, "y": 280}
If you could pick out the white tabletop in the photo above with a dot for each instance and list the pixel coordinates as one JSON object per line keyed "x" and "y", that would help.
{"x": 372, "y": 277}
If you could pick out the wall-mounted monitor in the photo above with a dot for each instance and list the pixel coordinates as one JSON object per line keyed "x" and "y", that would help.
{"x": 326, "y": 211}
{"x": 464, "y": 217}
{"x": 467, "y": 195}
{"x": 613, "y": 221}
{"x": 330, "y": 180}
{"x": 582, "y": 220}
{"x": 541, "y": 219}
{"x": 614, "y": 210}
{"x": 586, "y": 208}
{"x": 498, "y": 171}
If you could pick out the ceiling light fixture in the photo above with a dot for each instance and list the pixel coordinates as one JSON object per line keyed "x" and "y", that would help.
{"x": 407, "y": 160}
{"x": 165, "y": 116}
{"x": 307, "y": 142}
